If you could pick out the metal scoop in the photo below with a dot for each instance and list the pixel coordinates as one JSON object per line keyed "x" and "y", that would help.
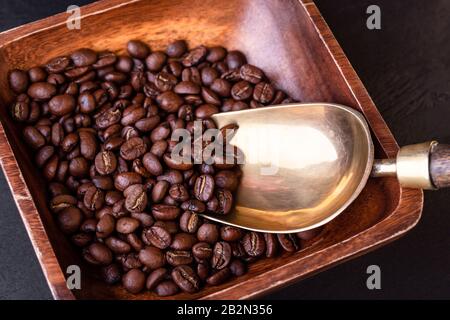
{"x": 305, "y": 163}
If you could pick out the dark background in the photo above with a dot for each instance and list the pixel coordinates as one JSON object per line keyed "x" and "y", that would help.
{"x": 405, "y": 66}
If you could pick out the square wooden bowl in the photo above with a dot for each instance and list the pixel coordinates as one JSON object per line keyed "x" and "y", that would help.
{"x": 290, "y": 41}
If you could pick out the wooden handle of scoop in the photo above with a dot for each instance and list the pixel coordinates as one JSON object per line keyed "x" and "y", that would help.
{"x": 440, "y": 165}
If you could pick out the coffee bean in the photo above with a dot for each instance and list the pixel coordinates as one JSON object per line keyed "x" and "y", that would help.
{"x": 204, "y": 187}
{"x": 225, "y": 201}
{"x": 159, "y": 191}
{"x": 186, "y": 278}
{"x": 136, "y": 198}
{"x": 133, "y": 148}
{"x": 105, "y": 226}
{"x": 165, "y": 212}
{"x": 221, "y": 255}
{"x": 58, "y": 64}
{"x": 44, "y": 154}
{"x": 176, "y": 49}
{"x": 219, "y": 277}
{"x": 242, "y": 90}
{"x": 156, "y": 277}
{"x": 193, "y": 205}
{"x": 98, "y": 253}
{"x": 111, "y": 274}
{"x": 229, "y": 233}
{"x": 208, "y": 75}
{"x": 178, "y": 257}
{"x": 251, "y": 73}
{"x": 127, "y": 225}
{"x": 157, "y": 236}
{"x": 41, "y": 91}
{"x": 166, "y": 288}
{"x": 226, "y": 179}
{"x": 134, "y": 280}
{"x": 179, "y": 192}
{"x": 254, "y": 244}
{"x": 288, "y": 242}
{"x": 263, "y": 92}
{"x": 155, "y": 61}
{"x": 61, "y": 202}
{"x": 271, "y": 245}
{"x": 69, "y": 220}
{"x": 237, "y": 268}
{"x": 138, "y": 49}
{"x": 194, "y": 56}
{"x": 216, "y": 54}
{"x": 169, "y": 101}
{"x": 183, "y": 241}
{"x": 189, "y": 222}
{"x": 37, "y": 74}
{"x": 94, "y": 198}
{"x": 152, "y": 257}
{"x": 105, "y": 162}
{"x": 88, "y": 145}
{"x": 18, "y": 80}
{"x": 33, "y": 137}
{"x": 152, "y": 164}
{"x": 125, "y": 179}
{"x": 83, "y": 57}
{"x": 222, "y": 87}
{"x": 208, "y": 232}
{"x": 235, "y": 59}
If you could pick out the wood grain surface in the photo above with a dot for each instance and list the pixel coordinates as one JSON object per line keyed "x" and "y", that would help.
{"x": 302, "y": 57}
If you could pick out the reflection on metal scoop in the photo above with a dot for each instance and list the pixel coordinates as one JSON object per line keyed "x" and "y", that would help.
{"x": 304, "y": 164}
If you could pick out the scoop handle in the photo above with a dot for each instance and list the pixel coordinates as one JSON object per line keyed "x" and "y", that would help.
{"x": 440, "y": 165}
{"x": 424, "y": 166}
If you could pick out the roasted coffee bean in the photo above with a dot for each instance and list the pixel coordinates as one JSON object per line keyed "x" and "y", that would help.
{"x": 134, "y": 241}
{"x": 271, "y": 245}
{"x": 203, "y": 270}
{"x": 152, "y": 257}
{"x": 81, "y": 239}
{"x": 157, "y": 236}
{"x": 225, "y": 201}
{"x": 263, "y": 92}
{"x": 289, "y": 242}
{"x": 208, "y": 75}
{"x": 105, "y": 226}
{"x": 254, "y": 244}
{"x": 165, "y": 212}
{"x": 193, "y": 205}
{"x": 98, "y": 253}
{"x": 229, "y": 233}
{"x": 117, "y": 245}
{"x": 159, "y": 191}
{"x": 61, "y": 202}
{"x": 136, "y": 198}
{"x": 219, "y": 277}
{"x": 169, "y": 101}
{"x": 44, "y": 154}
{"x": 166, "y": 288}
{"x": 105, "y": 162}
{"x": 204, "y": 187}
{"x": 111, "y": 274}
{"x": 216, "y": 54}
{"x": 155, "y": 61}
{"x": 251, "y": 73}
{"x": 190, "y": 222}
{"x": 134, "y": 281}
{"x": 69, "y": 220}
{"x": 156, "y": 277}
{"x": 178, "y": 257}
{"x": 222, "y": 87}
{"x": 235, "y": 59}
{"x": 83, "y": 57}
{"x": 208, "y": 232}
{"x": 138, "y": 49}
{"x": 171, "y": 176}
{"x": 126, "y": 225}
{"x": 221, "y": 255}
{"x": 152, "y": 164}
{"x": 242, "y": 90}
{"x": 176, "y": 49}
{"x": 125, "y": 179}
{"x": 145, "y": 219}
{"x": 194, "y": 56}
{"x": 186, "y": 278}
{"x": 94, "y": 198}
{"x": 179, "y": 192}
{"x": 37, "y": 74}
{"x": 18, "y": 80}
{"x": 58, "y": 64}
{"x": 33, "y": 137}
{"x": 133, "y": 148}
{"x": 226, "y": 179}
{"x": 88, "y": 144}
{"x": 237, "y": 268}
{"x": 183, "y": 241}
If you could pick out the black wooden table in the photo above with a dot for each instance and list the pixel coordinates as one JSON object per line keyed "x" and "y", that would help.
{"x": 406, "y": 68}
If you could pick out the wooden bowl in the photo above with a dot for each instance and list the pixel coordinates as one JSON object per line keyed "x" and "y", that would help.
{"x": 289, "y": 40}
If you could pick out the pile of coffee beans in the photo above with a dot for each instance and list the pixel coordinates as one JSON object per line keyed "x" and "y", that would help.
{"x": 100, "y": 125}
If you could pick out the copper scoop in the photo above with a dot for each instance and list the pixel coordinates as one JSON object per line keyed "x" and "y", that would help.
{"x": 305, "y": 163}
